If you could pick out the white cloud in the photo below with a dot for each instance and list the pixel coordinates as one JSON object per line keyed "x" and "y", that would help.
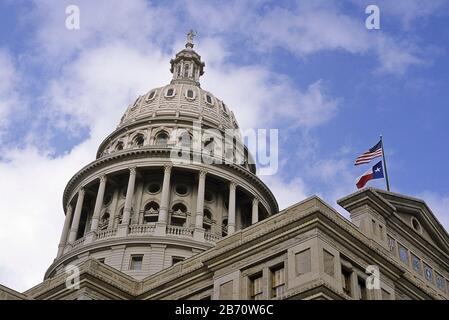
{"x": 287, "y": 193}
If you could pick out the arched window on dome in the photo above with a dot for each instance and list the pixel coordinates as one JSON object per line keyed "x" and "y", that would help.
{"x": 162, "y": 138}
{"x": 170, "y": 93}
{"x": 179, "y": 70}
{"x": 119, "y": 146}
{"x": 190, "y": 94}
{"x": 151, "y": 212}
{"x": 209, "y": 99}
{"x": 207, "y": 220}
{"x": 151, "y": 95}
{"x": 138, "y": 140}
{"x": 104, "y": 221}
{"x": 224, "y": 227}
{"x": 209, "y": 147}
{"x": 193, "y": 72}
{"x": 178, "y": 215}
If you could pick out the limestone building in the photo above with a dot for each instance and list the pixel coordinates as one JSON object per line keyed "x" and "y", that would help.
{"x": 139, "y": 225}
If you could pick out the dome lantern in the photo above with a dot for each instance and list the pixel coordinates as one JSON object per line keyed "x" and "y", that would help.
{"x": 187, "y": 66}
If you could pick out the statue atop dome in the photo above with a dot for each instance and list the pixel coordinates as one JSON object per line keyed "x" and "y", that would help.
{"x": 190, "y": 35}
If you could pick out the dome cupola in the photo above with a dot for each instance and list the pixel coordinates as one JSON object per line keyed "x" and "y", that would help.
{"x": 187, "y": 66}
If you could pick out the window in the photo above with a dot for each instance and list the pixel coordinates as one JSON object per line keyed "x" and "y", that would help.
{"x": 190, "y": 94}
{"x": 151, "y": 95}
{"x": 440, "y": 282}
{"x": 374, "y": 227}
{"x": 162, "y": 138}
{"x": 185, "y": 140}
{"x": 303, "y": 262}
{"x": 207, "y": 220}
{"x": 119, "y": 146}
{"x": 181, "y": 189}
{"x": 428, "y": 273}
{"x": 346, "y": 281}
{"x": 170, "y": 92}
{"x": 175, "y": 260}
{"x": 403, "y": 254}
{"x": 256, "y": 287}
{"x": 224, "y": 228}
{"x": 104, "y": 221}
{"x": 154, "y": 187}
{"x": 107, "y": 199}
{"x": 277, "y": 281}
{"x": 136, "y": 262}
{"x": 151, "y": 212}
{"x": 381, "y": 232}
{"x": 179, "y": 70}
{"x": 361, "y": 284}
{"x": 209, "y": 99}
{"x": 138, "y": 140}
{"x": 416, "y": 264}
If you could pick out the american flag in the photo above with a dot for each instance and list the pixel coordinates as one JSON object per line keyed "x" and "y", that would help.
{"x": 372, "y": 153}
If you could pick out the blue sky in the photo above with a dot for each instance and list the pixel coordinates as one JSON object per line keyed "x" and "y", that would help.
{"x": 310, "y": 69}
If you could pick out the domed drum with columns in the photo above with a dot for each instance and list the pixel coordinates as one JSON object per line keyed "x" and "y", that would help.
{"x": 136, "y": 209}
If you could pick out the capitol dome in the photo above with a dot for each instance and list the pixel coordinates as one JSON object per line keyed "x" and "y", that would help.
{"x": 136, "y": 209}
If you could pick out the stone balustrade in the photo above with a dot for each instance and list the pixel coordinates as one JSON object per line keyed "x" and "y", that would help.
{"x": 108, "y": 233}
{"x": 142, "y": 229}
{"x": 179, "y": 231}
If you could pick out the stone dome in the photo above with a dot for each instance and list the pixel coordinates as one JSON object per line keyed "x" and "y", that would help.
{"x": 136, "y": 209}
{"x": 181, "y": 100}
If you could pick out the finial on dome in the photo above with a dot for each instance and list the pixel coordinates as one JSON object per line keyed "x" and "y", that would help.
{"x": 190, "y": 35}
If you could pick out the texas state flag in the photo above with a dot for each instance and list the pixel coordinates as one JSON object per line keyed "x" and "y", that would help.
{"x": 376, "y": 172}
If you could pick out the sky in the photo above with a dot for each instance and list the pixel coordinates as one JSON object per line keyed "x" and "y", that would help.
{"x": 310, "y": 69}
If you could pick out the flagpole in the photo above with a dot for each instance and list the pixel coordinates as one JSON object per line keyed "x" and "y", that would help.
{"x": 385, "y": 163}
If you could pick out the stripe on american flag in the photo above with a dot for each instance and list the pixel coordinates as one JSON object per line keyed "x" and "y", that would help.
{"x": 368, "y": 156}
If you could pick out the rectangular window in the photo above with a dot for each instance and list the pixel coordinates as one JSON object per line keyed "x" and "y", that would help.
{"x": 416, "y": 264}
{"x": 277, "y": 281}
{"x": 136, "y": 262}
{"x": 363, "y": 294}
{"x": 256, "y": 287}
{"x": 346, "y": 281}
{"x": 428, "y": 273}
{"x": 403, "y": 254}
{"x": 440, "y": 282}
{"x": 226, "y": 290}
{"x": 328, "y": 263}
{"x": 381, "y": 232}
{"x": 303, "y": 262}
{"x": 373, "y": 224}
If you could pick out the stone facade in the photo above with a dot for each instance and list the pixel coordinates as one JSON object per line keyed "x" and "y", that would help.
{"x": 141, "y": 226}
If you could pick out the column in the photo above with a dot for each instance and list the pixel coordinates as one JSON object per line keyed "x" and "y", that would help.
{"x": 231, "y": 208}
{"x": 255, "y": 212}
{"x": 161, "y": 225}
{"x": 77, "y": 216}
{"x": 98, "y": 203}
{"x": 65, "y": 230}
{"x": 198, "y": 233}
{"x": 123, "y": 227}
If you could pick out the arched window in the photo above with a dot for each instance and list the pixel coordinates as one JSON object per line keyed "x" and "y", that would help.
{"x": 104, "y": 221}
{"x": 119, "y": 146}
{"x": 179, "y": 209}
{"x": 224, "y": 227}
{"x": 152, "y": 95}
{"x": 162, "y": 138}
{"x": 179, "y": 70}
{"x": 209, "y": 146}
{"x": 193, "y": 71}
{"x": 170, "y": 92}
{"x": 190, "y": 94}
{"x": 178, "y": 216}
{"x": 151, "y": 212}
{"x": 207, "y": 220}
{"x": 209, "y": 99}
{"x": 138, "y": 140}
{"x": 186, "y": 71}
